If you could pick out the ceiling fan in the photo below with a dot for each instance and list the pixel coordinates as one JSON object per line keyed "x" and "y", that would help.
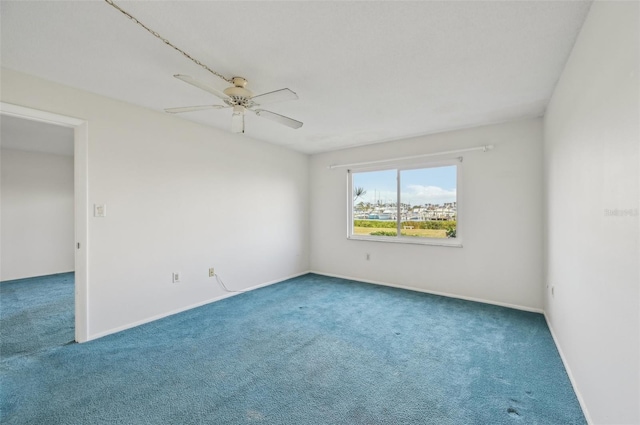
{"x": 241, "y": 100}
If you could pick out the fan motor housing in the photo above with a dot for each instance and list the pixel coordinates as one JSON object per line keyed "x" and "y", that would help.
{"x": 238, "y": 94}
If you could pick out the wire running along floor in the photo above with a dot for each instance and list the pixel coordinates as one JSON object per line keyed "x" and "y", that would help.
{"x": 309, "y": 350}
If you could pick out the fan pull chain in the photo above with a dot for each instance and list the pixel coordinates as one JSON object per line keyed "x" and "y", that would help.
{"x": 168, "y": 43}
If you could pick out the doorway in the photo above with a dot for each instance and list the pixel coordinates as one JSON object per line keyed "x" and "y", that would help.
{"x": 80, "y": 198}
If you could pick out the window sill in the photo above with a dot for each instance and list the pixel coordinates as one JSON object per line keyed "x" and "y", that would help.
{"x": 451, "y": 243}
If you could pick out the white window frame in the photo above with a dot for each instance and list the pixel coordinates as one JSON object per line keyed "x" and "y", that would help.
{"x": 448, "y": 242}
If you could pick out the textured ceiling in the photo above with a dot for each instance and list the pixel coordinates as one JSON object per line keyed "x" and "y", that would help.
{"x": 365, "y": 72}
{"x": 35, "y": 136}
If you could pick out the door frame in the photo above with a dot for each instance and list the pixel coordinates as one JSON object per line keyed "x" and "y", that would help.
{"x": 81, "y": 208}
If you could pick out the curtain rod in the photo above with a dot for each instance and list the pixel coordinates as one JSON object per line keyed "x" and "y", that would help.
{"x": 381, "y": 161}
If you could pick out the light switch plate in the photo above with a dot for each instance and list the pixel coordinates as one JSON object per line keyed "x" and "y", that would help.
{"x": 99, "y": 210}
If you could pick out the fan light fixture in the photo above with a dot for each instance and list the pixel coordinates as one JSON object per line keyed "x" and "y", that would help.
{"x": 241, "y": 100}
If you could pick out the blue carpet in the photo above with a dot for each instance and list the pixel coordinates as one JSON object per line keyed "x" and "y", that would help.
{"x": 36, "y": 313}
{"x": 310, "y": 350}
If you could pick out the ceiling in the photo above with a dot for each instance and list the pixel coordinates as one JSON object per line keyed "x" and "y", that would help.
{"x": 365, "y": 72}
{"x": 35, "y": 136}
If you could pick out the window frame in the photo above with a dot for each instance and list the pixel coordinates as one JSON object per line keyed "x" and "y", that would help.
{"x": 448, "y": 242}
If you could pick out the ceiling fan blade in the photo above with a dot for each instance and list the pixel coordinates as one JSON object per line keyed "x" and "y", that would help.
{"x": 275, "y": 96}
{"x": 289, "y": 122}
{"x": 237, "y": 123}
{"x": 203, "y": 86}
{"x": 193, "y": 108}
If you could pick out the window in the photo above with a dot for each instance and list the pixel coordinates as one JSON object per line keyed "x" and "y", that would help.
{"x": 417, "y": 204}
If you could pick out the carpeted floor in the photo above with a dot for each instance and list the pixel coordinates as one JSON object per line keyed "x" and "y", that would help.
{"x": 36, "y": 313}
{"x": 310, "y": 350}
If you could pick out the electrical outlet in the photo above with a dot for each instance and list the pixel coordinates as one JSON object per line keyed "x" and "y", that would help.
{"x": 212, "y": 272}
{"x": 368, "y": 257}
{"x": 176, "y": 277}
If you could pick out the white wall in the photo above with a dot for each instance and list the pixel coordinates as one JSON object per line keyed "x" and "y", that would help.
{"x": 37, "y": 214}
{"x": 591, "y": 132}
{"x": 180, "y": 197}
{"x": 501, "y": 261}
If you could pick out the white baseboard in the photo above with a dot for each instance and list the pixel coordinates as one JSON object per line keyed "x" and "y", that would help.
{"x": 583, "y": 405}
{"x": 188, "y": 307}
{"x": 426, "y": 291}
{"x": 35, "y": 276}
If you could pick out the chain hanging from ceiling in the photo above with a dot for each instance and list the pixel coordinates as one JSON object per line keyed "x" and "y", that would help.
{"x": 167, "y": 42}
